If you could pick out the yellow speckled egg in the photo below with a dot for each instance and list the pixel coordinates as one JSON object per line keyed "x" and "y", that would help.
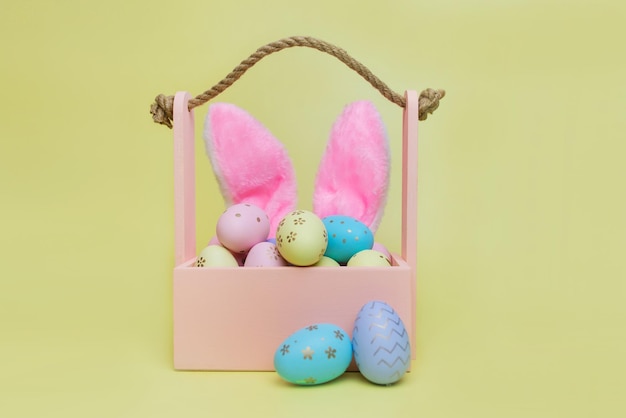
{"x": 368, "y": 258}
{"x": 216, "y": 256}
{"x": 301, "y": 238}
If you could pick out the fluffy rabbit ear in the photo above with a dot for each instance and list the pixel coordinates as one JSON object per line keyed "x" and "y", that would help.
{"x": 250, "y": 165}
{"x": 353, "y": 176}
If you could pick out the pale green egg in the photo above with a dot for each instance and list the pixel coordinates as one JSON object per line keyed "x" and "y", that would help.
{"x": 368, "y": 258}
{"x": 301, "y": 238}
{"x": 326, "y": 262}
{"x": 216, "y": 256}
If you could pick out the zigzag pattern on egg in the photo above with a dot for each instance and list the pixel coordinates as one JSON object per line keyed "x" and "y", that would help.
{"x": 380, "y": 343}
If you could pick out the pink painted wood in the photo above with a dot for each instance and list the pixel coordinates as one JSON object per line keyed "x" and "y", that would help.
{"x": 235, "y": 318}
{"x": 409, "y": 187}
{"x": 184, "y": 180}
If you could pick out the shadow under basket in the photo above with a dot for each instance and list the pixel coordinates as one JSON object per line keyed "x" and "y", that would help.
{"x": 234, "y": 318}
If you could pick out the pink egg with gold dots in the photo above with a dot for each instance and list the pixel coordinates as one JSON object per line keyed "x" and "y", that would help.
{"x": 241, "y": 226}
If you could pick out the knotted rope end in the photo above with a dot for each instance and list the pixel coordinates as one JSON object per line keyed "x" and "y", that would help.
{"x": 162, "y": 110}
{"x": 429, "y": 102}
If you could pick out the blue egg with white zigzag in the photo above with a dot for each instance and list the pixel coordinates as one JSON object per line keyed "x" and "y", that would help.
{"x": 380, "y": 343}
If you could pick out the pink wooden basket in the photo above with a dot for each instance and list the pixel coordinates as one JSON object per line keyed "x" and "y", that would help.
{"x": 235, "y": 318}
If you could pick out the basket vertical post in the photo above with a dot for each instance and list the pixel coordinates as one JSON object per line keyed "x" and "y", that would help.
{"x": 184, "y": 180}
{"x": 409, "y": 189}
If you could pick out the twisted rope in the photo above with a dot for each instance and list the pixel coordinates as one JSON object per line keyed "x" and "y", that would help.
{"x": 162, "y": 108}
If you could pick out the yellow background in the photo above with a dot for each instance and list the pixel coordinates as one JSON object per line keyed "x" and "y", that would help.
{"x": 522, "y": 200}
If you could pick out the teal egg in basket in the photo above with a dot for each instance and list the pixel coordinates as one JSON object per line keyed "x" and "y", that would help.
{"x": 346, "y": 237}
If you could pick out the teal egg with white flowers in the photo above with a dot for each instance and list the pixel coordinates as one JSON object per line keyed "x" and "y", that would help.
{"x": 314, "y": 355}
{"x": 346, "y": 237}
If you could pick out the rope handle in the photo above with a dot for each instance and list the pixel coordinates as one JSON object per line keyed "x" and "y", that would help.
{"x": 162, "y": 108}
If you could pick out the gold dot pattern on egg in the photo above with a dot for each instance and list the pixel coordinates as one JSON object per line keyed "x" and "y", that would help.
{"x": 238, "y": 215}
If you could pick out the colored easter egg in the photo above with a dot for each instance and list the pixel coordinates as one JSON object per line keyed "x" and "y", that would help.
{"x": 383, "y": 250}
{"x": 240, "y": 257}
{"x": 346, "y": 237}
{"x": 215, "y": 256}
{"x": 241, "y": 226}
{"x": 314, "y": 355}
{"x": 326, "y": 262}
{"x": 264, "y": 254}
{"x": 301, "y": 238}
{"x": 368, "y": 258}
{"x": 380, "y": 341}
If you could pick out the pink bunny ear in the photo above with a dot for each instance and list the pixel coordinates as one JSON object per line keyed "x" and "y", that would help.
{"x": 353, "y": 176}
{"x": 250, "y": 165}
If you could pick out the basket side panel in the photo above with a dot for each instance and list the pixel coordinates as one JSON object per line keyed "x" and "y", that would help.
{"x": 234, "y": 319}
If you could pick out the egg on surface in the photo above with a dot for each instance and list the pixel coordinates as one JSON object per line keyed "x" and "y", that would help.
{"x": 346, "y": 237}
{"x": 264, "y": 254}
{"x": 301, "y": 238}
{"x": 241, "y": 226}
{"x": 313, "y": 355}
{"x": 380, "y": 341}
{"x": 368, "y": 258}
{"x": 215, "y": 256}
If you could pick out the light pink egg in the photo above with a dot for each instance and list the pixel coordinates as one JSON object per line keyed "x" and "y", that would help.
{"x": 241, "y": 226}
{"x": 264, "y": 254}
